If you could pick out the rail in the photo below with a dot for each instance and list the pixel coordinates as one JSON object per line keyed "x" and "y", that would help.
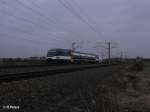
{"x": 47, "y": 72}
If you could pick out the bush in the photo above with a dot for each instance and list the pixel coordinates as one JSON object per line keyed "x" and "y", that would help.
{"x": 137, "y": 65}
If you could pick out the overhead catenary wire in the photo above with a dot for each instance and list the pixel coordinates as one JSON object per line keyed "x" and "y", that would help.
{"x": 79, "y": 8}
{"x": 75, "y": 4}
{"x": 19, "y": 37}
{"x": 29, "y": 21}
{"x": 69, "y": 8}
{"x": 40, "y": 17}
{"x": 87, "y": 22}
{"x": 44, "y": 28}
{"x": 82, "y": 12}
{"x": 37, "y": 42}
{"x": 13, "y": 28}
{"x": 22, "y": 31}
{"x": 64, "y": 25}
{"x": 19, "y": 30}
{"x": 37, "y": 12}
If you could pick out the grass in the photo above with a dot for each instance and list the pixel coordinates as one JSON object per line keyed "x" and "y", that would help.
{"x": 22, "y": 62}
{"x": 125, "y": 91}
{"x": 43, "y": 94}
{"x": 147, "y": 66}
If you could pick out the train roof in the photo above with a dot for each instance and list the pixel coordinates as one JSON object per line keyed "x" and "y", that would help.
{"x": 72, "y": 51}
{"x": 59, "y": 49}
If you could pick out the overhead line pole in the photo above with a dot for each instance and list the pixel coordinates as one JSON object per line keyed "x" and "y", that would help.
{"x": 109, "y": 51}
{"x": 73, "y": 46}
{"x": 109, "y": 57}
{"x": 108, "y": 47}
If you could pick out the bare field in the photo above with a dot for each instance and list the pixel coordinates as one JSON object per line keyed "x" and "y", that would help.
{"x": 71, "y": 92}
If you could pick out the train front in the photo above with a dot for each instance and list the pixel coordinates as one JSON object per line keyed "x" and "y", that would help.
{"x": 59, "y": 56}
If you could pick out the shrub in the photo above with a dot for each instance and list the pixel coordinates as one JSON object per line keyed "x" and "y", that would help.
{"x": 137, "y": 65}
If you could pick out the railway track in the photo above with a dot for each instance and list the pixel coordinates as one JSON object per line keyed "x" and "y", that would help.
{"x": 45, "y": 71}
{"x": 26, "y": 66}
{"x": 22, "y": 68}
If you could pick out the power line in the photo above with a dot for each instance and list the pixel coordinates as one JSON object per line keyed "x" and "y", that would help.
{"x": 21, "y": 18}
{"x": 28, "y": 21}
{"x": 25, "y": 39}
{"x": 80, "y": 10}
{"x": 16, "y": 29}
{"x": 64, "y": 25}
{"x": 31, "y": 10}
{"x": 69, "y": 7}
{"x": 82, "y": 13}
{"x": 35, "y": 11}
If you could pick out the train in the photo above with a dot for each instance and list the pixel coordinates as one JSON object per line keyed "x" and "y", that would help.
{"x": 58, "y": 55}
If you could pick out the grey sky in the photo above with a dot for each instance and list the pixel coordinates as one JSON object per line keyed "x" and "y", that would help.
{"x": 31, "y": 27}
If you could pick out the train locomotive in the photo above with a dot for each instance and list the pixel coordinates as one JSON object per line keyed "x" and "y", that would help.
{"x": 59, "y": 55}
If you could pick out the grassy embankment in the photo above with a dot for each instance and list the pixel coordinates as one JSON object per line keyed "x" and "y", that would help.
{"x": 128, "y": 90}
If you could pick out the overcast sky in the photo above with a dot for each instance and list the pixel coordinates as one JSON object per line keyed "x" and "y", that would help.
{"x": 31, "y": 27}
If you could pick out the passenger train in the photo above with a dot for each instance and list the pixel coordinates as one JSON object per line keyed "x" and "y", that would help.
{"x": 59, "y": 55}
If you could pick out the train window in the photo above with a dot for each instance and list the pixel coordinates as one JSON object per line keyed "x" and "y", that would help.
{"x": 64, "y": 52}
{"x": 59, "y": 52}
{"x": 52, "y": 53}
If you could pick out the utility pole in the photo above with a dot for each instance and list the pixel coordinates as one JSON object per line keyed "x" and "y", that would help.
{"x": 73, "y": 46}
{"x": 109, "y": 57}
{"x": 108, "y": 47}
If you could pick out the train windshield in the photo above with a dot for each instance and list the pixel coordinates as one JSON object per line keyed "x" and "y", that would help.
{"x": 58, "y": 52}
{"x": 52, "y": 53}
